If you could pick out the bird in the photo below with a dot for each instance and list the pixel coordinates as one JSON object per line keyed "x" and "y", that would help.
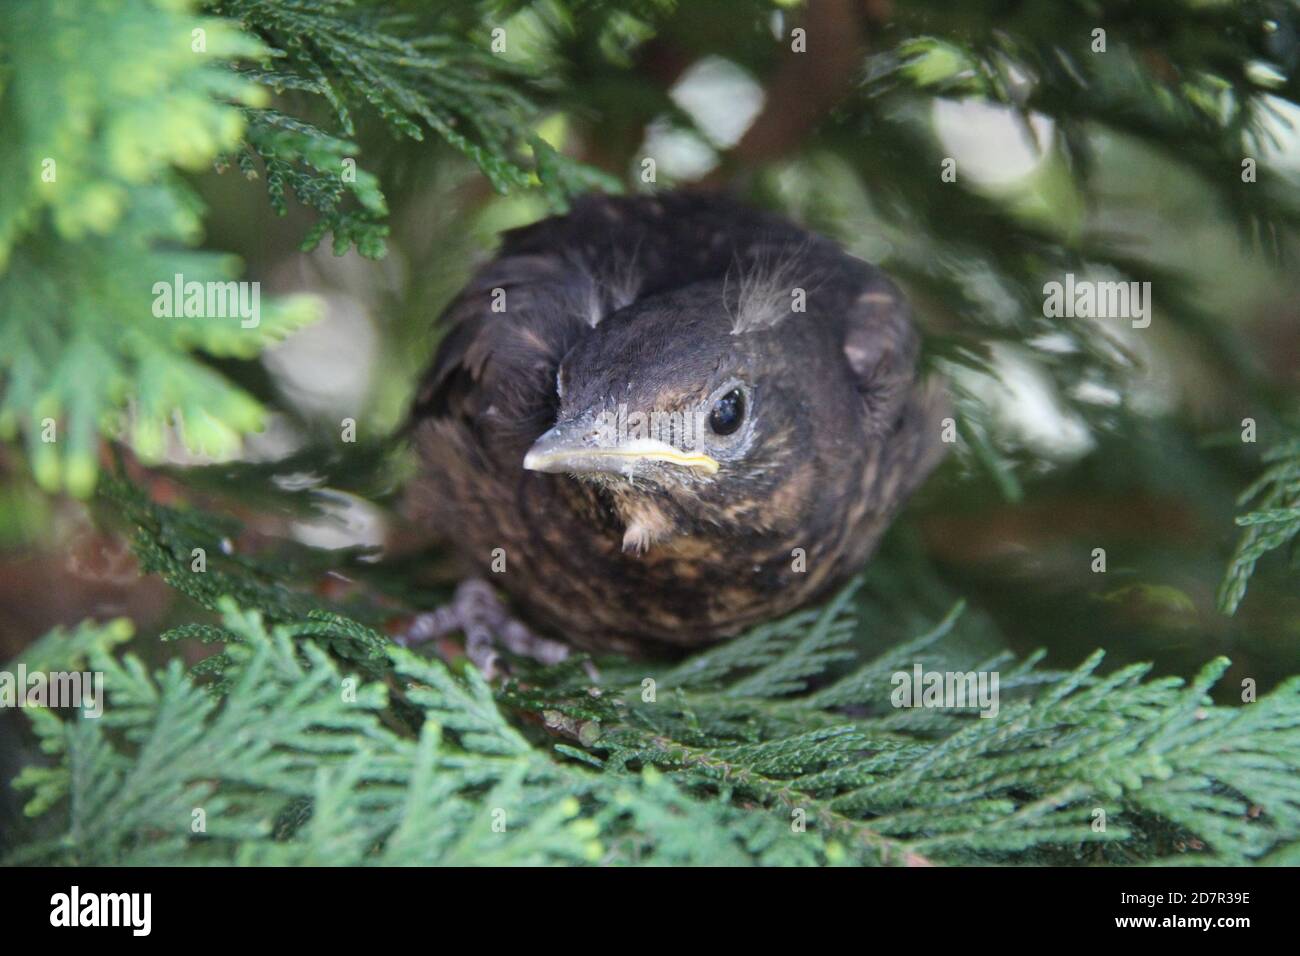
{"x": 656, "y": 421}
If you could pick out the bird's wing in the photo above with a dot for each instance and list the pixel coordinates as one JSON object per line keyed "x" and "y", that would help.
{"x": 505, "y": 336}
{"x": 882, "y": 347}
{"x": 880, "y": 343}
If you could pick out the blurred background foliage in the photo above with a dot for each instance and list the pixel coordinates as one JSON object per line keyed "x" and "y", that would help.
{"x": 360, "y": 158}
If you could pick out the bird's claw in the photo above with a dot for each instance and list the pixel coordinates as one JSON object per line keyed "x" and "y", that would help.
{"x": 477, "y": 612}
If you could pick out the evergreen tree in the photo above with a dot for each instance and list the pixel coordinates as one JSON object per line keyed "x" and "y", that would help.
{"x": 144, "y": 140}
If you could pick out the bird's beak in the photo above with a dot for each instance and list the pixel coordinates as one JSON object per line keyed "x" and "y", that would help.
{"x": 575, "y": 448}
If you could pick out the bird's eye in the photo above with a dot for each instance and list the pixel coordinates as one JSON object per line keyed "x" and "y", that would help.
{"x": 728, "y": 412}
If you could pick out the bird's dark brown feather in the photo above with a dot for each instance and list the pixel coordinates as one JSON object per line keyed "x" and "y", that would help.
{"x": 643, "y": 297}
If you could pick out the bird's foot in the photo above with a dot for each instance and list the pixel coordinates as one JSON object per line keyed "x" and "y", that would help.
{"x": 477, "y": 612}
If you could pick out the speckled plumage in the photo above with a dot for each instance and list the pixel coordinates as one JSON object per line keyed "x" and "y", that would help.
{"x": 656, "y": 303}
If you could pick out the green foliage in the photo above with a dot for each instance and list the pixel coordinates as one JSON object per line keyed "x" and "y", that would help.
{"x": 312, "y": 739}
{"x": 435, "y": 73}
{"x": 283, "y": 90}
{"x": 744, "y": 754}
{"x": 349, "y": 55}
{"x": 295, "y": 765}
{"x": 1183, "y": 89}
{"x": 1273, "y": 523}
{"x": 309, "y": 738}
{"x": 169, "y": 542}
{"x": 311, "y": 164}
{"x": 100, "y": 106}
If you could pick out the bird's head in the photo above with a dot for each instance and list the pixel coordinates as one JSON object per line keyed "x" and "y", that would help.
{"x": 686, "y": 425}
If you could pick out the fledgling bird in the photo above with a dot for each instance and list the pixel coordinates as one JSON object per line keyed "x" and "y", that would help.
{"x": 670, "y": 418}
